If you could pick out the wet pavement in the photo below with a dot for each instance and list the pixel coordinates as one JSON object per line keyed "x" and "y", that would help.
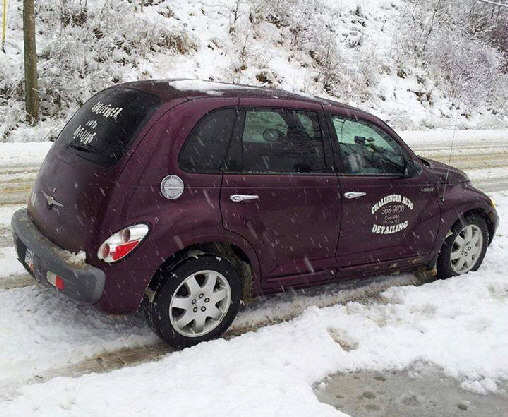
{"x": 408, "y": 394}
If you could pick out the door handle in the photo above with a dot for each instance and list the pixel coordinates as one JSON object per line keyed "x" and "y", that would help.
{"x": 237, "y": 198}
{"x": 354, "y": 194}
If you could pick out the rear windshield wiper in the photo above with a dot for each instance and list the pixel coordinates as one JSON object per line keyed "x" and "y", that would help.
{"x": 83, "y": 148}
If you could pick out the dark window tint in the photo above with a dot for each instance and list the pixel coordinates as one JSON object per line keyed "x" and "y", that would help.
{"x": 366, "y": 149}
{"x": 103, "y": 129}
{"x": 206, "y": 147}
{"x": 282, "y": 141}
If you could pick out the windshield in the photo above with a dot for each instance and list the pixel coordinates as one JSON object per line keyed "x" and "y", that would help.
{"x": 102, "y": 130}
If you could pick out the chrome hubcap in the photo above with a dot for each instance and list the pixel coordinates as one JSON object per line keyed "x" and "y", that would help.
{"x": 200, "y": 303}
{"x": 466, "y": 249}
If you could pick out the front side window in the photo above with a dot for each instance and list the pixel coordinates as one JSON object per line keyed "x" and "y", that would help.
{"x": 206, "y": 147}
{"x": 282, "y": 141}
{"x": 367, "y": 150}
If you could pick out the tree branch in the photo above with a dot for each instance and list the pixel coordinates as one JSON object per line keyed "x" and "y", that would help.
{"x": 493, "y": 3}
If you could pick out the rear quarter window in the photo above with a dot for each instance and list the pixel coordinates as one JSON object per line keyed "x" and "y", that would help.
{"x": 206, "y": 147}
{"x": 103, "y": 129}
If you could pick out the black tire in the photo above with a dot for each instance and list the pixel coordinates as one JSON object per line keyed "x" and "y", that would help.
{"x": 444, "y": 261}
{"x": 158, "y": 309}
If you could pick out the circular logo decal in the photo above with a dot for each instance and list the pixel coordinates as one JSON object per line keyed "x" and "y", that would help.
{"x": 391, "y": 214}
{"x": 172, "y": 187}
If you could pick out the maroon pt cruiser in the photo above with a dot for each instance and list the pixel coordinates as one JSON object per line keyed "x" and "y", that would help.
{"x": 188, "y": 197}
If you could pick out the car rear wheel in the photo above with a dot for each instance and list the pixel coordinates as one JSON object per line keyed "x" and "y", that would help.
{"x": 464, "y": 249}
{"x": 197, "y": 301}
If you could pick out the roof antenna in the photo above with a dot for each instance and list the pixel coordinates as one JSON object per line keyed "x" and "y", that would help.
{"x": 450, "y": 156}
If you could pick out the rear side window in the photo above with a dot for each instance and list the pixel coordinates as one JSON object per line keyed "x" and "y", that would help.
{"x": 282, "y": 141}
{"x": 206, "y": 147}
{"x": 259, "y": 121}
{"x": 104, "y": 128}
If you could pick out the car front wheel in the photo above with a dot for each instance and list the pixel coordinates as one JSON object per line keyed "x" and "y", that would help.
{"x": 464, "y": 249}
{"x": 196, "y": 302}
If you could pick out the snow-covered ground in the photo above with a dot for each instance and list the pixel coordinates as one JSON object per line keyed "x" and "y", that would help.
{"x": 446, "y": 138}
{"x": 31, "y": 153}
{"x": 385, "y": 323}
{"x": 458, "y": 325}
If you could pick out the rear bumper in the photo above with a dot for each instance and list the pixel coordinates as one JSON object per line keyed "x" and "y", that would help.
{"x": 81, "y": 282}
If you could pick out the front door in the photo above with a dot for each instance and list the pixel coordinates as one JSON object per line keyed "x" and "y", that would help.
{"x": 281, "y": 194}
{"x": 387, "y": 215}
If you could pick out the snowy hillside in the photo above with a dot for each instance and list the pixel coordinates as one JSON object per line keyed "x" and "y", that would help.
{"x": 393, "y": 57}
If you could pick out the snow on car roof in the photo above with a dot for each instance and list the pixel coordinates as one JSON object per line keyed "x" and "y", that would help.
{"x": 180, "y": 88}
{"x": 205, "y": 86}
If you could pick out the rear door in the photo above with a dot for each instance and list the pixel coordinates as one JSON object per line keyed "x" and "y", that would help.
{"x": 387, "y": 215}
{"x": 73, "y": 188}
{"x": 280, "y": 192}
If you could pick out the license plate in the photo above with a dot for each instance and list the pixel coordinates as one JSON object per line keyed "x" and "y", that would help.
{"x": 29, "y": 259}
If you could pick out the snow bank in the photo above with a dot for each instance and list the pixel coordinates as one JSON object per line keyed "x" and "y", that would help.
{"x": 445, "y": 138}
{"x": 458, "y": 325}
{"x": 6, "y": 213}
{"x": 76, "y": 259}
{"x": 487, "y": 173}
{"x": 42, "y": 329}
{"x": 32, "y": 153}
{"x": 205, "y": 86}
{"x": 9, "y": 265}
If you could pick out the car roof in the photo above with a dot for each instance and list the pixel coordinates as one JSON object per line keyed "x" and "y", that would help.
{"x": 172, "y": 89}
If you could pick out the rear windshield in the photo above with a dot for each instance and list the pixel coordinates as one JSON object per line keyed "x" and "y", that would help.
{"x": 103, "y": 129}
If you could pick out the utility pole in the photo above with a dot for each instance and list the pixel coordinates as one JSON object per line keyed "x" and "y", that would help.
{"x": 31, "y": 91}
{"x": 4, "y": 23}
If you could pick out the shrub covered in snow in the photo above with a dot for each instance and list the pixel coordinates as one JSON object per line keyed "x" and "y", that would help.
{"x": 454, "y": 43}
{"x": 415, "y": 63}
{"x": 83, "y": 47}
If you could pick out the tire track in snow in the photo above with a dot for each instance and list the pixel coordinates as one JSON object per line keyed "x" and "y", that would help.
{"x": 491, "y": 184}
{"x": 16, "y": 183}
{"x": 5, "y": 236}
{"x": 470, "y": 160}
{"x": 16, "y": 281}
{"x": 258, "y": 313}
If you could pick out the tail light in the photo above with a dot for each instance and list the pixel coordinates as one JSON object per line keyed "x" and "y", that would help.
{"x": 55, "y": 280}
{"x": 122, "y": 243}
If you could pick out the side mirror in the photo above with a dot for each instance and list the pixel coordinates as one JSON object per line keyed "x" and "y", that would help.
{"x": 360, "y": 140}
{"x": 412, "y": 169}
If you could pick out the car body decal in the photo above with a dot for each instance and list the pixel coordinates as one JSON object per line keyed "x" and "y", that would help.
{"x": 390, "y": 214}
